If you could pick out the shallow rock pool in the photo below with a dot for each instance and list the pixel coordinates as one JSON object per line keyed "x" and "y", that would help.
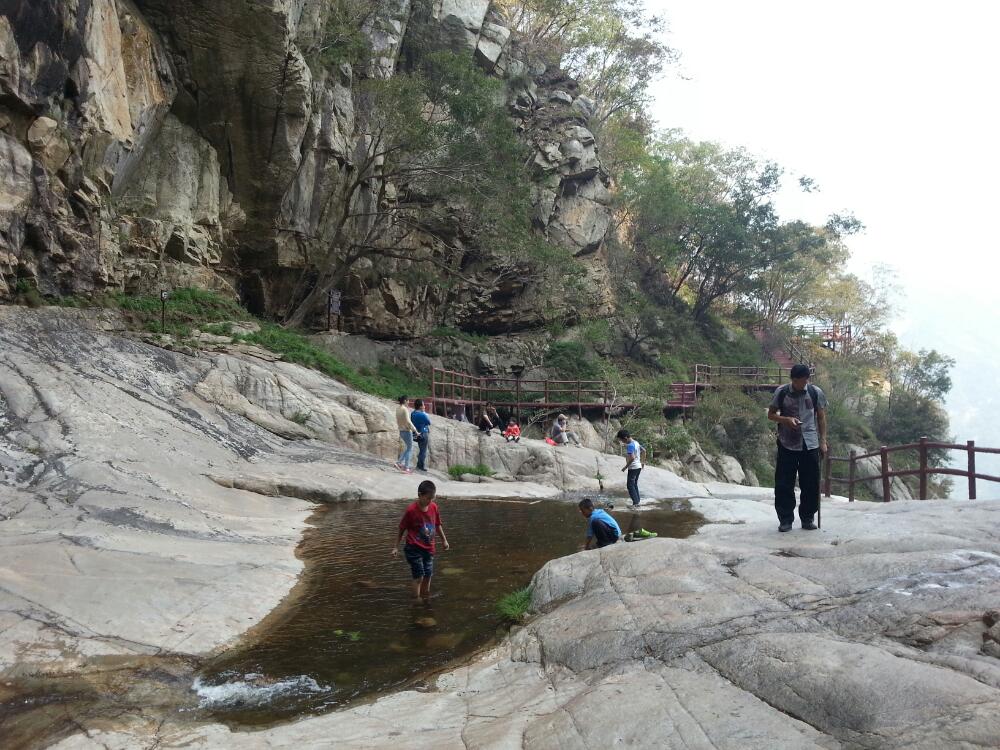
{"x": 351, "y": 628}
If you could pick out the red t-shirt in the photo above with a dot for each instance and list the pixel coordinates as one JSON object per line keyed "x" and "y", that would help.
{"x": 421, "y": 526}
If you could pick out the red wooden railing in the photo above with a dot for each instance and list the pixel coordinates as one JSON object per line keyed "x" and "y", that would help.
{"x": 923, "y": 471}
{"x": 685, "y": 395}
{"x": 449, "y": 387}
{"x": 830, "y": 335}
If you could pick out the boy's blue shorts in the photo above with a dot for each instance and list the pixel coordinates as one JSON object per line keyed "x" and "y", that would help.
{"x": 421, "y": 561}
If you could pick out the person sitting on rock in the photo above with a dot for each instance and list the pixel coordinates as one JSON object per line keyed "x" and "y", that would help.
{"x": 561, "y": 434}
{"x": 487, "y": 419}
{"x": 601, "y": 527}
{"x": 512, "y": 434}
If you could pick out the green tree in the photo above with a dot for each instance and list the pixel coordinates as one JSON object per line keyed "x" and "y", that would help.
{"x": 704, "y": 218}
{"x": 787, "y": 290}
{"x": 613, "y": 48}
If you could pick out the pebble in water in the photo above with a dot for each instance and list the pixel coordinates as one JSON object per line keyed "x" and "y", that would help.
{"x": 425, "y": 622}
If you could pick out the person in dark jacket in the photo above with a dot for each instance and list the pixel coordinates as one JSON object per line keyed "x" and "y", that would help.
{"x": 799, "y": 408}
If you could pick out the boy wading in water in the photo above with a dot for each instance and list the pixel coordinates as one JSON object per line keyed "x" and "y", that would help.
{"x": 633, "y": 464}
{"x": 420, "y": 522}
{"x": 600, "y": 526}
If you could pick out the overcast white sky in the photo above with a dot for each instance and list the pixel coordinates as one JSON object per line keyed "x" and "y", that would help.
{"x": 892, "y": 108}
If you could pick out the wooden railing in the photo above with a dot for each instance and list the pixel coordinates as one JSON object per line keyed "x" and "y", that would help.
{"x": 449, "y": 387}
{"x": 829, "y": 335}
{"x": 708, "y": 374}
{"x": 833, "y": 332}
{"x": 923, "y": 446}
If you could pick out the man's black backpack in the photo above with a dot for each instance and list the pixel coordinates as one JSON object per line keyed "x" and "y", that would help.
{"x": 810, "y": 389}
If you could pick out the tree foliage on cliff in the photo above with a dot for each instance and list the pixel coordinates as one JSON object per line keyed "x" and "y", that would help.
{"x": 436, "y": 143}
{"x": 702, "y": 219}
{"x": 613, "y": 48}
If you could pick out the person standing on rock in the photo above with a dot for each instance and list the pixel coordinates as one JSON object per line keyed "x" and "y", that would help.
{"x": 633, "y": 464}
{"x": 420, "y": 523}
{"x": 422, "y": 424}
{"x": 799, "y": 408}
{"x": 406, "y": 432}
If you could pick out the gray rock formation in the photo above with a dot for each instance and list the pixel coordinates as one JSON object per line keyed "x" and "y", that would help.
{"x": 143, "y": 492}
{"x": 109, "y": 446}
{"x": 872, "y": 467}
{"x": 181, "y": 142}
{"x": 867, "y": 634}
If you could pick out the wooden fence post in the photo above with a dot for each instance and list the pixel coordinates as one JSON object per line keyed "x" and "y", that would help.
{"x": 923, "y": 468}
{"x": 850, "y": 478}
{"x": 971, "y": 447}
{"x": 829, "y": 467}
{"x": 886, "y": 479}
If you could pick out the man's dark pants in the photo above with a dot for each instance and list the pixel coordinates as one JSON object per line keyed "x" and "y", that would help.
{"x": 805, "y": 463}
{"x": 424, "y": 441}
{"x": 604, "y": 533}
{"x": 633, "y": 485}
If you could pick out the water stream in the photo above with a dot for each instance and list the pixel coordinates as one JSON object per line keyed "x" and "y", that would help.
{"x": 349, "y": 630}
{"x": 354, "y": 629}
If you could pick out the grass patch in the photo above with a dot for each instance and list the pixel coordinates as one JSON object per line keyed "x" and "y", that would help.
{"x": 301, "y": 417}
{"x": 218, "y": 329}
{"x": 480, "y": 470}
{"x": 386, "y": 381}
{"x": 447, "y": 332}
{"x": 514, "y": 606}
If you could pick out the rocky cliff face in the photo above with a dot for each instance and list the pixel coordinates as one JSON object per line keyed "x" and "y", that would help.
{"x": 162, "y": 143}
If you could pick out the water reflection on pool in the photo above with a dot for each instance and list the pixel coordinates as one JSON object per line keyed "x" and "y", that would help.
{"x": 353, "y": 628}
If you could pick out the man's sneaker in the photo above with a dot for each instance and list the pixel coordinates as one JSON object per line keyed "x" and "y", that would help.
{"x": 785, "y": 527}
{"x": 646, "y": 534}
{"x": 809, "y": 526}
{"x": 398, "y": 465}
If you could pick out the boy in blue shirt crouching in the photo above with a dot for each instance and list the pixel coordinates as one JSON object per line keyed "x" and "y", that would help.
{"x": 600, "y": 525}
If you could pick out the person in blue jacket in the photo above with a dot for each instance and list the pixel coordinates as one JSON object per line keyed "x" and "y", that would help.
{"x": 423, "y": 424}
{"x": 601, "y": 527}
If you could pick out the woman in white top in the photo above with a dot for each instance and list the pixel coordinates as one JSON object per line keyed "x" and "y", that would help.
{"x": 406, "y": 433}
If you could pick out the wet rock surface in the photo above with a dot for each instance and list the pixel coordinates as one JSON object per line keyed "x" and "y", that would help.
{"x": 736, "y": 638}
{"x": 141, "y": 500}
{"x": 145, "y": 510}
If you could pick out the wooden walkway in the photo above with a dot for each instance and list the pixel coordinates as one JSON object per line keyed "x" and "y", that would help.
{"x": 453, "y": 391}
{"x": 684, "y": 395}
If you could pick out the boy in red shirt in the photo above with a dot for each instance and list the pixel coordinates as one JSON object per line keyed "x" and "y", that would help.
{"x": 418, "y": 526}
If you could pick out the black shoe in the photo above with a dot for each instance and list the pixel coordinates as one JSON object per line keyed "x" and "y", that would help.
{"x": 809, "y": 526}
{"x": 785, "y": 527}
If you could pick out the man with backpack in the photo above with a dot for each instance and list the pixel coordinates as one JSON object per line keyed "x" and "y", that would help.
{"x": 799, "y": 408}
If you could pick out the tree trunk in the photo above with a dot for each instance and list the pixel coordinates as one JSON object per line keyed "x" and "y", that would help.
{"x": 316, "y": 296}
